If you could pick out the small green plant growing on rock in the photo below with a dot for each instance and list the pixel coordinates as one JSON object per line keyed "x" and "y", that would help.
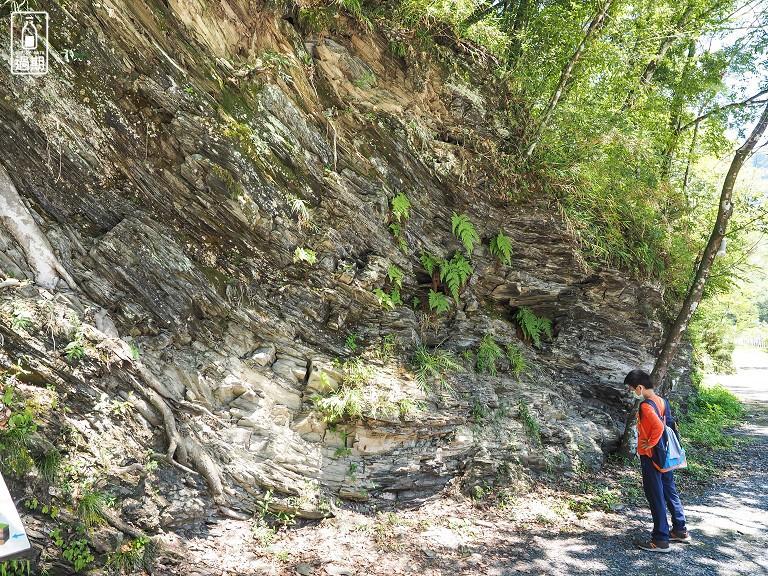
{"x": 21, "y": 317}
{"x": 454, "y": 273}
{"x": 533, "y": 326}
{"x": 530, "y": 423}
{"x": 16, "y": 567}
{"x": 389, "y": 345}
{"x": 300, "y": 209}
{"x": 16, "y": 437}
{"x": 304, "y": 255}
{"x": 501, "y": 248}
{"x": 400, "y": 214}
{"x": 351, "y": 342}
{"x": 465, "y": 231}
{"x": 517, "y": 362}
{"x": 488, "y": 354}
{"x": 388, "y": 301}
{"x": 401, "y": 207}
{"x": 434, "y": 366}
{"x": 76, "y": 550}
{"x": 130, "y": 557}
{"x": 438, "y": 303}
{"x": 74, "y": 350}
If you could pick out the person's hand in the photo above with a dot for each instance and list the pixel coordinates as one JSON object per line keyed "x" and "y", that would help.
{"x": 645, "y": 445}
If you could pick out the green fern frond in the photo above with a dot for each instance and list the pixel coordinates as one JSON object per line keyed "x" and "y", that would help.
{"x": 400, "y": 207}
{"x": 533, "y": 326}
{"x": 385, "y": 300}
{"x": 465, "y": 231}
{"x": 501, "y": 247}
{"x": 438, "y": 302}
{"x": 429, "y": 262}
{"x": 454, "y": 273}
{"x": 488, "y": 353}
{"x": 395, "y": 275}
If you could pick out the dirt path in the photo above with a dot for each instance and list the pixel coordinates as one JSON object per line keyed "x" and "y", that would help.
{"x": 729, "y": 522}
{"x": 544, "y": 532}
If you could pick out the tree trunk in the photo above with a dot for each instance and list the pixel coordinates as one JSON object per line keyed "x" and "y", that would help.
{"x": 594, "y": 27}
{"x": 672, "y": 342}
{"x": 696, "y": 290}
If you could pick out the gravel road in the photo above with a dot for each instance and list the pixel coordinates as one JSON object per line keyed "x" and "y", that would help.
{"x": 729, "y": 522}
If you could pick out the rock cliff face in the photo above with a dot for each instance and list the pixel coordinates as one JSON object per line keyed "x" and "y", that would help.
{"x": 175, "y": 158}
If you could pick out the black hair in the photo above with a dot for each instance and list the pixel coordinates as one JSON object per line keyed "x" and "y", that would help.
{"x": 638, "y": 377}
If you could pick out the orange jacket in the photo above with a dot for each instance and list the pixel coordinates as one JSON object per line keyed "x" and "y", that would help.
{"x": 649, "y": 427}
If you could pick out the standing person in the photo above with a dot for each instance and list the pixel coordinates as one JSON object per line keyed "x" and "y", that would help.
{"x": 659, "y": 487}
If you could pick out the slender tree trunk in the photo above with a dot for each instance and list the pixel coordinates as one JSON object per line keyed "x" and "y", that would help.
{"x": 691, "y": 302}
{"x": 594, "y": 27}
{"x": 672, "y": 342}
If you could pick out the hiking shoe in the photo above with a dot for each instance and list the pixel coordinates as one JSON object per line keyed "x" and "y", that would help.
{"x": 656, "y": 546}
{"x": 679, "y": 536}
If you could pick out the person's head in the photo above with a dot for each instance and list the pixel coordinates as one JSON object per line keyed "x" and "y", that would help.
{"x": 640, "y": 383}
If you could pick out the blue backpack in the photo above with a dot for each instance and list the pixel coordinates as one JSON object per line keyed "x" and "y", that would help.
{"x": 668, "y": 454}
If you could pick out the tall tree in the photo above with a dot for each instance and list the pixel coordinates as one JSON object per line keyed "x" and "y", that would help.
{"x": 696, "y": 290}
{"x": 565, "y": 76}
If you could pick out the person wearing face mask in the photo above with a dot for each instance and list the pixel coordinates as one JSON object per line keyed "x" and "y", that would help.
{"x": 659, "y": 487}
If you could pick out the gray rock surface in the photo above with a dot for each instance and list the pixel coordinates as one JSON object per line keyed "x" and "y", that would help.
{"x": 165, "y": 170}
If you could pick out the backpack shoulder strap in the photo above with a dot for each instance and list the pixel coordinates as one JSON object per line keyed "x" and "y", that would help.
{"x": 655, "y": 408}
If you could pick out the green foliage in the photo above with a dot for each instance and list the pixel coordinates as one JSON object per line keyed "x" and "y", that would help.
{"x": 434, "y": 366}
{"x": 438, "y": 302}
{"x": 47, "y": 463}
{"x": 530, "y": 423}
{"x": 90, "y": 507}
{"x": 488, "y": 354}
{"x": 21, "y": 317}
{"x": 517, "y": 362}
{"x": 351, "y": 342}
{"x": 357, "y": 397}
{"x": 16, "y": 567}
{"x": 429, "y": 262}
{"x": 711, "y": 411}
{"x": 388, "y": 347}
{"x": 397, "y": 233}
{"x": 401, "y": 207}
{"x": 501, "y": 248}
{"x": 74, "y": 350}
{"x": 388, "y": 301}
{"x": 454, "y": 273}
{"x": 75, "y": 549}
{"x": 16, "y": 438}
{"x": 533, "y": 326}
{"x": 131, "y": 556}
{"x": 366, "y": 81}
{"x": 302, "y": 254}
{"x": 395, "y": 276}
{"x": 465, "y": 231}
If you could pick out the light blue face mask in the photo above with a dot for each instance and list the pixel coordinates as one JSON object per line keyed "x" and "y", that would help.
{"x": 637, "y": 396}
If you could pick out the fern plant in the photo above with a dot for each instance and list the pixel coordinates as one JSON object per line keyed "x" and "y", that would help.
{"x": 517, "y": 362}
{"x": 438, "y": 302}
{"x": 385, "y": 300}
{"x": 454, "y": 273}
{"x": 430, "y": 262}
{"x": 488, "y": 353}
{"x": 436, "y": 365}
{"x": 465, "y": 231}
{"x": 533, "y": 326}
{"x": 400, "y": 207}
{"x": 501, "y": 247}
{"x": 395, "y": 276}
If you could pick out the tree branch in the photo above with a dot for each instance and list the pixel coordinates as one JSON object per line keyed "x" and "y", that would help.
{"x": 751, "y": 101}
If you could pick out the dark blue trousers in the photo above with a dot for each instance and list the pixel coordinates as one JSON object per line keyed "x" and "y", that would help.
{"x": 661, "y": 492}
